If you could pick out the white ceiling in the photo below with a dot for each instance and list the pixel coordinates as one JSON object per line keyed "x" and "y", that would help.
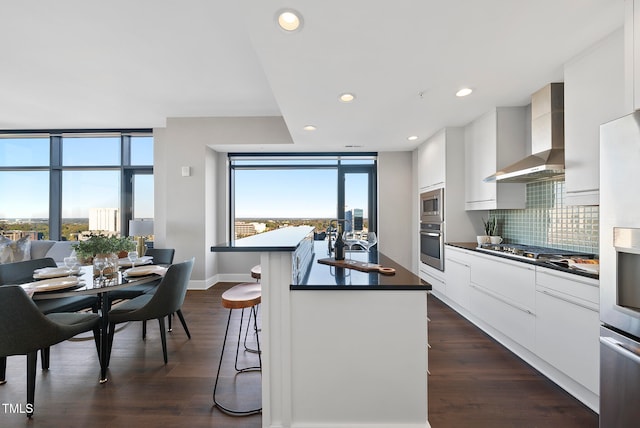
{"x": 133, "y": 64}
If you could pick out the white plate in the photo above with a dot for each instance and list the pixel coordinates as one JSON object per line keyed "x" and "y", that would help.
{"x": 144, "y": 260}
{"x": 145, "y": 270}
{"x": 52, "y": 284}
{"x": 53, "y": 272}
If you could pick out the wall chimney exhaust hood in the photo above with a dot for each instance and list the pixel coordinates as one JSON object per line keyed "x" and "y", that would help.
{"x": 547, "y": 140}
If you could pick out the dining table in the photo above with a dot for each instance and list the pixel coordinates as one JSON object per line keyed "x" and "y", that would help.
{"x": 83, "y": 281}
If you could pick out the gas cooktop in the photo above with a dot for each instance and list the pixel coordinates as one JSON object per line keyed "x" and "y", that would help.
{"x": 530, "y": 252}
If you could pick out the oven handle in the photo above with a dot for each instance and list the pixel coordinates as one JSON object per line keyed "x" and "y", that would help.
{"x": 435, "y": 235}
{"x": 619, "y": 348}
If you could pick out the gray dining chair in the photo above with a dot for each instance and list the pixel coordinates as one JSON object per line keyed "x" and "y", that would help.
{"x": 21, "y": 273}
{"x": 167, "y": 299}
{"x": 161, "y": 256}
{"x": 24, "y": 329}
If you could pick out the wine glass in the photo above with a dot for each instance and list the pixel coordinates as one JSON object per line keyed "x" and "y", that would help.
{"x": 100, "y": 263}
{"x": 349, "y": 243}
{"x": 71, "y": 263}
{"x": 372, "y": 240}
{"x": 133, "y": 256}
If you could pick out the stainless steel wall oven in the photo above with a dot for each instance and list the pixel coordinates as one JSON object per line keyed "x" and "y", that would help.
{"x": 432, "y": 244}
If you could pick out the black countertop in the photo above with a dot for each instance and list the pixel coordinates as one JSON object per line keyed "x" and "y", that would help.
{"x": 472, "y": 246}
{"x": 325, "y": 277}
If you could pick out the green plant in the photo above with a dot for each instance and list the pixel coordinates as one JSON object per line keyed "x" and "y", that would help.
{"x": 102, "y": 244}
{"x": 490, "y": 226}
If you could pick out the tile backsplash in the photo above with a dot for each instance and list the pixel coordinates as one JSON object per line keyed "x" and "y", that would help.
{"x": 548, "y": 222}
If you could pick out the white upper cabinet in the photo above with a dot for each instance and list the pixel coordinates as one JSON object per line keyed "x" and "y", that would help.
{"x": 593, "y": 94}
{"x": 632, "y": 55}
{"x": 493, "y": 141}
{"x": 431, "y": 161}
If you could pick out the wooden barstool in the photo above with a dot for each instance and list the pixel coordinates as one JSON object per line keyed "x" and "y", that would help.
{"x": 256, "y": 272}
{"x": 241, "y": 296}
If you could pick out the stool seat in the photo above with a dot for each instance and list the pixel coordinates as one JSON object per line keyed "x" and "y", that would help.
{"x": 242, "y": 296}
{"x": 256, "y": 272}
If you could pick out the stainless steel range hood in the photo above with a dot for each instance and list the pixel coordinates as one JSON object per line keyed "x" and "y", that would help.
{"x": 547, "y": 140}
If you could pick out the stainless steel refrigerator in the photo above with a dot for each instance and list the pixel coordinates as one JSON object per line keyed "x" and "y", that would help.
{"x": 620, "y": 272}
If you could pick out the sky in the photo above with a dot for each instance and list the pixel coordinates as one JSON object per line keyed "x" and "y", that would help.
{"x": 25, "y": 194}
{"x": 308, "y": 193}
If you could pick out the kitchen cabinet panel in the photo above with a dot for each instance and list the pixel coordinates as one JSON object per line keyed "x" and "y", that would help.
{"x": 515, "y": 322}
{"x": 632, "y": 55}
{"x": 567, "y": 327}
{"x": 593, "y": 95}
{"x": 493, "y": 141}
{"x": 431, "y": 161}
{"x": 458, "y": 277}
{"x": 512, "y": 281}
{"x": 502, "y": 294}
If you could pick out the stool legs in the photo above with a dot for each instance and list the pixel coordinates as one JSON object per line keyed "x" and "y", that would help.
{"x": 222, "y": 408}
{"x": 254, "y": 312}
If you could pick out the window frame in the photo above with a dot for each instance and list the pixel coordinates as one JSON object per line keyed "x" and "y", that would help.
{"x": 56, "y": 168}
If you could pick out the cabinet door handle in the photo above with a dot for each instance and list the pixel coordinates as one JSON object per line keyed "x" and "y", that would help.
{"x": 564, "y": 299}
{"x": 457, "y": 262}
{"x": 564, "y": 277}
{"x": 502, "y": 299}
{"x": 619, "y": 348}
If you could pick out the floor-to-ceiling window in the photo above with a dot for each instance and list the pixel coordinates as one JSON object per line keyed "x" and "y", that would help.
{"x": 63, "y": 184}
{"x": 269, "y": 191}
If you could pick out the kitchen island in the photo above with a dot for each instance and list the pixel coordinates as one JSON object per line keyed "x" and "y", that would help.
{"x": 341, "y": 348}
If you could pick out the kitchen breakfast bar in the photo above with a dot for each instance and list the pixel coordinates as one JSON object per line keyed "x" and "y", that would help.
{"x": 340, "y": 347}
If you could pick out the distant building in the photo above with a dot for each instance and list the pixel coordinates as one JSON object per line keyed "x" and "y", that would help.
{"x": 259, "y": 227}
{"x": 348, "y": 224}
{"x": 358, "y": 219}
{"x": 104, "y": 220}
{"x": 243, "y": 229}
{"x": 354, "y": 219}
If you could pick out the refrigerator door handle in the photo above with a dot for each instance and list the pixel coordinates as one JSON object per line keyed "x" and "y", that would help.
{"x": 619, "y": 348}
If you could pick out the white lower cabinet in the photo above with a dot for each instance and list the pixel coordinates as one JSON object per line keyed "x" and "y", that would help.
{"x": 567, "y": 326}
{"x": 458, "y": 276}
{"x": 503, "y": 296}
{"x": 547, "y": 317}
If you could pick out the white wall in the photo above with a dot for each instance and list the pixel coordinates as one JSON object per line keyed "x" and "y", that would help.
{"x": 396, "y": 232}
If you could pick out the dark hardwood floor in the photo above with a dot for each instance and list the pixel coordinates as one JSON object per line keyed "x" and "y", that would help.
{"x": 474, "y": 382}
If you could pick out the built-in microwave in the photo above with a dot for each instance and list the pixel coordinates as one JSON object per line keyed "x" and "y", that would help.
{"x": 431, "y": 206}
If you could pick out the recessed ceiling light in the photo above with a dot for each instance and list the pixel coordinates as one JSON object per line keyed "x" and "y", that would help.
{"x": 289, "y": 20}
{"x": 412, "y": 138}
{"x": 347, "y": 97}
{"x": 464, "y": 92}
{"x": 309, "y": 128}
